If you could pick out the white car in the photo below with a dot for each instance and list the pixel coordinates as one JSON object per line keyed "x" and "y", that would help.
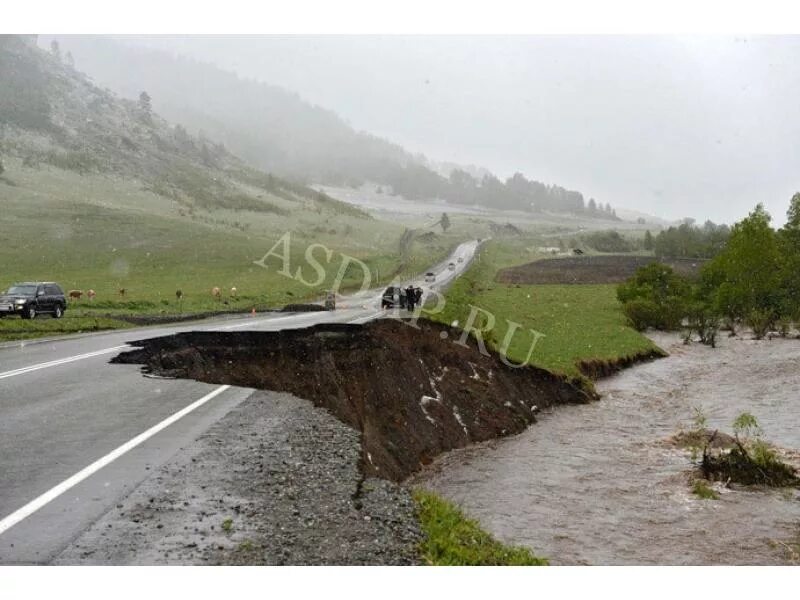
{"x": 430, "y": 277}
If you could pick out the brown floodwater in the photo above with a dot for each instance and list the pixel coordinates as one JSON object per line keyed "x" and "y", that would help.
{"x": 598, "y": 484}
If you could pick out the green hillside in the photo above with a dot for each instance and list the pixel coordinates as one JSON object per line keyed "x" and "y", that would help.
{"x": 101, "y": 193}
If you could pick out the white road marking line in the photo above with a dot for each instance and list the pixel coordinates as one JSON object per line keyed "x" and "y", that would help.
{"x": 260, "y": 321}
{"x": 50, "y": 495}
{"x": 367, "y": 318}
{"x": 60, "y": 361}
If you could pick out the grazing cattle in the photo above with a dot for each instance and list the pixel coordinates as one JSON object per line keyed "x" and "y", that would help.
{"x": 216, "y": 293}
{"x": 91, "y": 294}
{"x": 233, "y": 292}
{"x": 179, "y": 295}
{"x": 122, "y": 292}
{"x": 75, "y": 294}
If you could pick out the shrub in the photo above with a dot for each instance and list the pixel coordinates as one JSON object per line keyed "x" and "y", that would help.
{"x": 701, "y": 489}
{"x": 704, "y": 321}
{"x": 643, "y": 314}
{"x": 608, "y": 241}
{"x": 760, "y": 322}
{"x": 655, "y": 297}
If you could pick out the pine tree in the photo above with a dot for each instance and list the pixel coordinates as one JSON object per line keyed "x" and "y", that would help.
{"x": 648, "y": 240}
{"x": 145, "y": 107}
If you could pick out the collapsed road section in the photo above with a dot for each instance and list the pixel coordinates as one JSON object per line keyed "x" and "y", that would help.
{"x": 410, "y": 393}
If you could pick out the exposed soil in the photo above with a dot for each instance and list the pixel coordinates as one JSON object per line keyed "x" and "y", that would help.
{"x": 597, "y": 368}
{"x": 276, "y": 481}
{"x": 706, "y": 437}
{"x": 410, "y": 392}
{"x": 591, "y": 269}
{"x": 303, "y": 308}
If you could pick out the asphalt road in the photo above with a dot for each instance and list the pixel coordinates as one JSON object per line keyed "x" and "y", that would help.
{"x": 77, "y": 434}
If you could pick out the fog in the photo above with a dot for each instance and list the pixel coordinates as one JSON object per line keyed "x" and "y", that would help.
{"x": 675, "y": 126}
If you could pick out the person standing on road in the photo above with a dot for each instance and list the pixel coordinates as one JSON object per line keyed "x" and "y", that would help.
{"x": 418, "y": 296}
{"x": 411, "y": 298}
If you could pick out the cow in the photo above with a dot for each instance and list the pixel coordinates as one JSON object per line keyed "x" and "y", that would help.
{"x": 179, "y": 295}
{"x": 75, "y": 294}
{"x": 216, "y": 292}
{"x": 234, "y": 291}
{"x": 121, "y": 292}
{"x": 91, "y": 294}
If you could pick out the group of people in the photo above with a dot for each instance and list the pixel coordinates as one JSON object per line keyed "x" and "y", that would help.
{"x": 413, "y": 297}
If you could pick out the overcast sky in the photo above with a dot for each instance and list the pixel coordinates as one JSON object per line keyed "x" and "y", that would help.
{"x": 676, "y": 126}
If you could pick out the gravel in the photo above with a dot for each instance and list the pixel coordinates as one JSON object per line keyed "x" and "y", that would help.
{"x": 276, "y": 481}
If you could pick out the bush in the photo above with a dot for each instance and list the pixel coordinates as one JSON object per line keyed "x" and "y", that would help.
{"x": 643, "y": 314}
{"x": 701, "y": 489}
{"x": 705, "y": 322}
{"x": 655, "y": 297}
{"x": 608, "y": 241}
{"x": 750, "y": 462}
{"x": 760, "y": 322}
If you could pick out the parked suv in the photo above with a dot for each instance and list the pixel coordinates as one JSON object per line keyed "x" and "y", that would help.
{"x": 31, "y": 298}
{"x": 393, "y": 297}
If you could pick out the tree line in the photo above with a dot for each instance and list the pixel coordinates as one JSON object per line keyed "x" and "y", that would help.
{"x": 688, "y": 240}
{"x": 754, "y": 280}
{"x": 417, "y": 182}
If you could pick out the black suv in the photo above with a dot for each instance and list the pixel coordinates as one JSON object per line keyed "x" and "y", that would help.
{"x": 30, "y": 299}
{"x": 393, "y": 297}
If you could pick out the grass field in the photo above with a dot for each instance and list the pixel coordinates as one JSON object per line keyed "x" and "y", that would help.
{"x": 579, "y": 322}
{"x": 106, "y": 233}
{"x": 451, "y": 539}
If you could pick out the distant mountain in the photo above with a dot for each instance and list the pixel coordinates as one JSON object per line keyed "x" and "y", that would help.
{"x": 275, "y": 130}
{"x": 51, "y": 114}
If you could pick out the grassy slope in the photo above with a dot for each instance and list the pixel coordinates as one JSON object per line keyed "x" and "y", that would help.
{"x": 451, "y": 539}
{"x": 95, "y": 196}
{"x": 579, "y": 321}
{"x": 104, "y": 234}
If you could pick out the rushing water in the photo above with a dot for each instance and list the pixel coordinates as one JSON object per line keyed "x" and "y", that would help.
{"x": 598, "y": 484}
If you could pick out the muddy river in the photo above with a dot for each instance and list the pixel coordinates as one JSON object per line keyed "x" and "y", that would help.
{"x": 598, "y": 484}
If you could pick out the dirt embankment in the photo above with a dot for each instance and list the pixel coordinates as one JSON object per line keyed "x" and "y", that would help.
{"x": 591, "y": 269}
{"x": 595, "y": 368}
{"x": 412, "y": 393}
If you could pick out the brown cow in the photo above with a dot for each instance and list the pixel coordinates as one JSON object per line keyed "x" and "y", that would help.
{"x": 75, "y": 294}
{"x": 121, "y": 292}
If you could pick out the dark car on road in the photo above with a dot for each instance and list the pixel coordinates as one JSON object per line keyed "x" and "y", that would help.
{"x": 393, "y": 297}
{"x": 32, "y": 298}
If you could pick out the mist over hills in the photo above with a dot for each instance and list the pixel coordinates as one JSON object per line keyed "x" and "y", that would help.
{"x": 277, "y": 131}
{"x": 51, "y": 114}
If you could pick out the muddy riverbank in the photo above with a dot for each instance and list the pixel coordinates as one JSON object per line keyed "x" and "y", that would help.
{"x": 411, "y": 392}
{"x": 599, "y": 484}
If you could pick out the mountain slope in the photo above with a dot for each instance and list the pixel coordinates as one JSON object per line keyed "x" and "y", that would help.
{"x": 101, "y": 192}
{"x": 276, "y": 130}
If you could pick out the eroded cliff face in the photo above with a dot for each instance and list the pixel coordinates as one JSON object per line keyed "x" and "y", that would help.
{"x": 412, "y": 392}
